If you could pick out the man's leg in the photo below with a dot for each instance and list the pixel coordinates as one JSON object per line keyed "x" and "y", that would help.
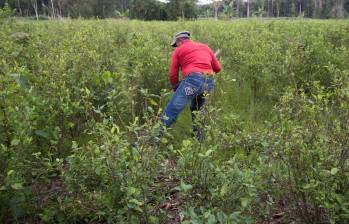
{"x": 178, "y": 102}
{"x": 196, "y": 107}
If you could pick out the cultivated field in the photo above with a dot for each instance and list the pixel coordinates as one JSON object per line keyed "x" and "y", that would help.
{"x": 79, "y": 108}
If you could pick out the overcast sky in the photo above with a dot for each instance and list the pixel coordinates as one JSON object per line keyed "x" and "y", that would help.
{"x": 204, "y": 1}
{"x": 200, "y": 1}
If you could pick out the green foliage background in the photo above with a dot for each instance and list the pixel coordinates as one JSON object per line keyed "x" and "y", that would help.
{"x": 79, "y": 101}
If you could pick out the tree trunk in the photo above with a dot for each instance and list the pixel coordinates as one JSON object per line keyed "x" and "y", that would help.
{"x": 238, "y": 8}
{"x": 317, "y": 8}
{"x": 59, "y": 10}
{"x": 19, "y": 8}
{"x": 268, "y": 8}
{"x": 35, "y": 6}
{"x": 320, "y": 5}
{"x": 216, "y": 8}
{"x": 300, "y": 9}
{"x": 53, "y": 9}
{"x": 248, "y": 8}
{"x": 272, "y": 8}
{"x": 339, "y": 9}
{"x": 124, "y": 5}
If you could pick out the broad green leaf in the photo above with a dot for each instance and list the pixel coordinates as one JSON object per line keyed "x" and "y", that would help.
{"x": 224, "y": 189}
{"x": 136, "y": 202}
{"x": 134, "y": 220}
{"x": 17, "y": 186}
{"x": 244, "y": 202}
{"x": 98, "y": 170}
{"x": 186, "y": 187}
{"x": 334, "y": 171}
{"x": 152, "y": 102}
{"x": 186, "y": 143}
{"x": 164, "y": 140}
{"x": 15, "y": 142}
{"x": 42, "y": 133}
{"x": 10, "y": 172}
{"x": 307, "y": 186}
{"x": 132, "y": 191}
{"x": 153, "y": 219}
{"x": 221, "y": 217}
{"x": 211, "y": 219}
{"x": 87, "y": 91}
{"x": 150, "y": 109}
{"x": 107, "y": 77}
{"x": 208, "y": 153}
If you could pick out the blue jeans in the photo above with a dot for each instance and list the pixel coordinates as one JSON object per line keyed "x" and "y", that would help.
{"x": 191, "y": 89}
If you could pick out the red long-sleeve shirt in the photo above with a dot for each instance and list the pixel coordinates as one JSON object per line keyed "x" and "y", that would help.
{"x": 192, "y": 57}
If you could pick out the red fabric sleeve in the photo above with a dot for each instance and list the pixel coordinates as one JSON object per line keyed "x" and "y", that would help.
{"x": 174, "y": 68}
{"x": 216, "y": 66}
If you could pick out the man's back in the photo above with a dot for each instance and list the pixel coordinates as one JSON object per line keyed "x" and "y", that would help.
{"x": 193, "y": 57}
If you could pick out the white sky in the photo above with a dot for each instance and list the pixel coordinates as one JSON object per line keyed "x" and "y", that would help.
{"x": 201, "y": 2}
{"x": 204, "y": 1}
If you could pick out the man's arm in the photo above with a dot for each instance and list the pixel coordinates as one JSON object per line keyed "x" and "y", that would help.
{"x": 216, "y": 66}
{"x": 174, "y": 68}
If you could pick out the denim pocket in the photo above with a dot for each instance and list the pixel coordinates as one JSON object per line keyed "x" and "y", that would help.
{"x": 190, "y": 89}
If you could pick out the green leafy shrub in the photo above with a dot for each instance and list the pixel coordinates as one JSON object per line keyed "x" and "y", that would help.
{"x": 6, "y": 11}
{"x": 79, "y": 108}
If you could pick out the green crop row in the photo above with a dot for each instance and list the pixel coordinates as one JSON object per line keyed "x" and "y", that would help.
{"x": 79, "y": 108}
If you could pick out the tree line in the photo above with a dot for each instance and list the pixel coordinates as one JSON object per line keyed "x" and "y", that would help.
{"x": 281, "y": 8}
{"x": 177, "y": 9}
